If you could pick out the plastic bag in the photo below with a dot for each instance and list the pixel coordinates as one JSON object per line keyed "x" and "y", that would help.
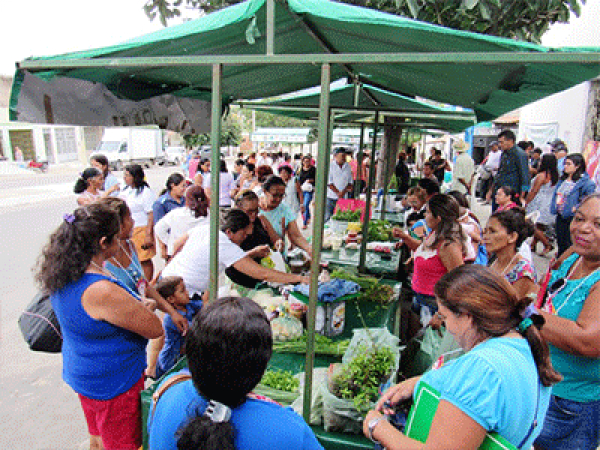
{"x": 286, "y": 328}
{"x": 340, "y": 414}
{"x": 284, "y": 397}
{"x": 316, "y": 406}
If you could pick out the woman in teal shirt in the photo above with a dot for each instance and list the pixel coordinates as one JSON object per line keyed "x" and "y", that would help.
{"x": 502, "y": 382}
{"x": 572, "y": 313}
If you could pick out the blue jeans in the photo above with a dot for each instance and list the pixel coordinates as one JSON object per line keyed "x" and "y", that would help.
{"x": 329, "y": 207}
{"x": 570, "y": 425}
{"x": 307, "y": 198}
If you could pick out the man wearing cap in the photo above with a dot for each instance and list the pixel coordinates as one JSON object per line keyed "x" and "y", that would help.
{"x": 560, "y": 151}
{"x": 464, "y": 168}
{"x": 340, "y": 180}
{"x": 514, "y": 168}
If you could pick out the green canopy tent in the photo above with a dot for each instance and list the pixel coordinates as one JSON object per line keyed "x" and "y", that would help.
{"x": 263, "y": 48}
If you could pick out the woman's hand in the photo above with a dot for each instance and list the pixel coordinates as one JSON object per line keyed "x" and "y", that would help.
{"x": 149, "y": 303}
{"x": 261, "y": 251}
{"x": 148, "y": 242}
{"x": 398, "y": 233}
{"x": 395, "y": 394}
{"x": 304, "y": 279}
{"x": 370, "y": 416}
{"x": 279, "y": 246}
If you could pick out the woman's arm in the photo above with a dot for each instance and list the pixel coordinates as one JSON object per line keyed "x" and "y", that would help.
{"x": 297, "y": 238}
{"x": 273, "y": 236}
{"x": 410, "y": 241}
{"x": 580, "y": 337}
{"x": 451, "y": 255}
{"x": 149, "y": 240}
{"x": 107, "y": 301}
{"x": 525, "y": 286}
{"x": 179, "y": 243}
{"x": 248, "y": 266}
{"x": 537, "y": 184}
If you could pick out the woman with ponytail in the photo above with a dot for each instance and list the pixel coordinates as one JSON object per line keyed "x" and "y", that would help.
{"x": 572, "y": 314}
{"x": 88, "y": 186}
{"x": 228, "y": 347}
{"x": 105, "y": 328}
{"x": 502, "y": 382}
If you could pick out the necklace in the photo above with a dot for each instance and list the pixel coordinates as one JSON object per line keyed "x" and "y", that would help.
{"x": 503, "y": 273}
{"x": 102, "y": 270}
{"x": 583, "y": 280}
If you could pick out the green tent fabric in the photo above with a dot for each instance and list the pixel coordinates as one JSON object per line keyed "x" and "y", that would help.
{"x": 489, "y": 89}
{"x": 411, "y": 113}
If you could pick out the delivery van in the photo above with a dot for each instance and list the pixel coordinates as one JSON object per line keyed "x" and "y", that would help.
{"x": 123, "y": 146}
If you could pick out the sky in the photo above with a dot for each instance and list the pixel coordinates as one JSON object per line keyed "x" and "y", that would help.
{"x": 50, "y": 27}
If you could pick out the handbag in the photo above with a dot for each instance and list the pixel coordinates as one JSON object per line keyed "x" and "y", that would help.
{"x": 307, "y": 186}
{"x": 39, "y": 325}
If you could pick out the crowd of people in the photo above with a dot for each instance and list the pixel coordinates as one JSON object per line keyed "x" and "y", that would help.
{"x": 530, "y": 368}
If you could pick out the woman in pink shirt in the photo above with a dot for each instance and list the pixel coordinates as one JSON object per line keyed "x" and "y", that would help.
{"x": 440, "y": 252}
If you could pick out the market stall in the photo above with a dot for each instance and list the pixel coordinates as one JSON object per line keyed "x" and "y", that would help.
{"x": 181, "y": 76}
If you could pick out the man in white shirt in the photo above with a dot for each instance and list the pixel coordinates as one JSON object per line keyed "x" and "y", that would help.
{"x": 340, "y": 180}
{"x": 464, "y": 168}
{"x": 491, "y": 163}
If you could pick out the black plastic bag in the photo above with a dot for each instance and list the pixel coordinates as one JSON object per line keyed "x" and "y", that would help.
{"x": 39, "y": 325}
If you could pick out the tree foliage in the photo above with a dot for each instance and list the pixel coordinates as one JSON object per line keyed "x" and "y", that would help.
{"x": 525, "y": 20}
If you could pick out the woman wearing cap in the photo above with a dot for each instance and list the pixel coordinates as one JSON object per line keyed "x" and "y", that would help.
{"x": 573, "y": 186}
{"x": 572, "y": 329}
{"x": 228, "y": 348}
{"x": 464, "y": 168}
{"x": 501, "y": 384}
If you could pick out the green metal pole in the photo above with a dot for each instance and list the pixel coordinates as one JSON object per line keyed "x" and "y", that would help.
{"x": 365, "y": 227}
{"x": 359, "y": 161}
{"x": 215, "y": 163}
{"x": 317, "y": 234}
{"x": 270, "y": 27}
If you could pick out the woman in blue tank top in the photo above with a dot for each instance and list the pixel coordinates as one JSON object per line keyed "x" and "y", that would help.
{"x": 105, "y": 328}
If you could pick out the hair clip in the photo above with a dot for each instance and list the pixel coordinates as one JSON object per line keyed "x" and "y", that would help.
{"x": 69, "y": 218}
{"x": 529, "y": 311}
{"x": 217, "y": 412}
{"x": 525, "y": 323}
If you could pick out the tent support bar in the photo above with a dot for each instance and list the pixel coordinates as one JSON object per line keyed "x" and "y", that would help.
{"x": 317, "y": 58}
{"x": 317, "y": 234}
{"x": 359, "y": 161}
{"x": 365, "y": 228}
{"x": 215, "y": 141}
{"x": 270, "y": 27}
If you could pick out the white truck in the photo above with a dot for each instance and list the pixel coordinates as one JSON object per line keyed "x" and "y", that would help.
{"x": 123, "y": 146}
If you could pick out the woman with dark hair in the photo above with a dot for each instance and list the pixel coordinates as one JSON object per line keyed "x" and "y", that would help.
{"x": 306, "y": 177}
{"x": 105, "y": 328}
{"x": 441, "y": 251}
{"x": 262, "y": 173}
{"x": 262, "y": 234}
{"x": 571, "y": 310}
{"x": 574, "y": 186}
{"x": 539, "y": 198}
{"x": 171, "y": 197}
{"x": 226, "y": 186}
{"x": 88, "y": 186}
{"x": 192, "y": 262}
{"x": 279, "y": 214}
{"x": 503, "y": 235}
{"x": 228, "y": 348}
{"x": 140, "y": 200}
{"x": 506, "y": 198}
{"x": 501, "y": 384}
{"x": 203, "y": 169}
{"x": 111, "y": 183}
{"x": 179, "y": 221}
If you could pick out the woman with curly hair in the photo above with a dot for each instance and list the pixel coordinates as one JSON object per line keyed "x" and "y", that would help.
{"x": 105, "y": 328}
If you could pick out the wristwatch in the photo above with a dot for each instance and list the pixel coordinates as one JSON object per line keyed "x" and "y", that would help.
{"x": 371, "y": 426}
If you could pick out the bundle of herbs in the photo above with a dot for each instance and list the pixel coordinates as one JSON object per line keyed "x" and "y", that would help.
{"x": 359, "y": 380}
{"x": 323, "y": 345}
{"x": 371, "y": 289}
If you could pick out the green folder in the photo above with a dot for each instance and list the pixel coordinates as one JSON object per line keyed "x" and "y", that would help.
{"x": 421, "y": 415}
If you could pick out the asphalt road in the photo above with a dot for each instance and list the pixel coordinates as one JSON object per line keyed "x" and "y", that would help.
{"x": 38, "y": 411}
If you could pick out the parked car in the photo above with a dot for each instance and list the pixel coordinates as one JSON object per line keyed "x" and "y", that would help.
{"x": 175, "y": 155}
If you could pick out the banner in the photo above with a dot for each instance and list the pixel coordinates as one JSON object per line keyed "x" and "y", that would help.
{"x": 70, "y": 101}
{"x": 591, "y": 153}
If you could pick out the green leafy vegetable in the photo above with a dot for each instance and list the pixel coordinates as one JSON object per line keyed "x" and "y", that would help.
{"x": 323, "y": 346}
{"x": 347, "y": 215}
{"x": 371, "y": 289}
{"x": 281, "y": 380}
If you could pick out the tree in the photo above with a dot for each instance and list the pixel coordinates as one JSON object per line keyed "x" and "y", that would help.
{"x": 525, "y": 20}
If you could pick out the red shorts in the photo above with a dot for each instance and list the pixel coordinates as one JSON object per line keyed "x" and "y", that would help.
{"x": 117, "y": 421}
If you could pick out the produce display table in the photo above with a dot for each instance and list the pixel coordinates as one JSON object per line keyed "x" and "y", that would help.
{"x": 340, "y": 441}
{"x": 376, "y": 263}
